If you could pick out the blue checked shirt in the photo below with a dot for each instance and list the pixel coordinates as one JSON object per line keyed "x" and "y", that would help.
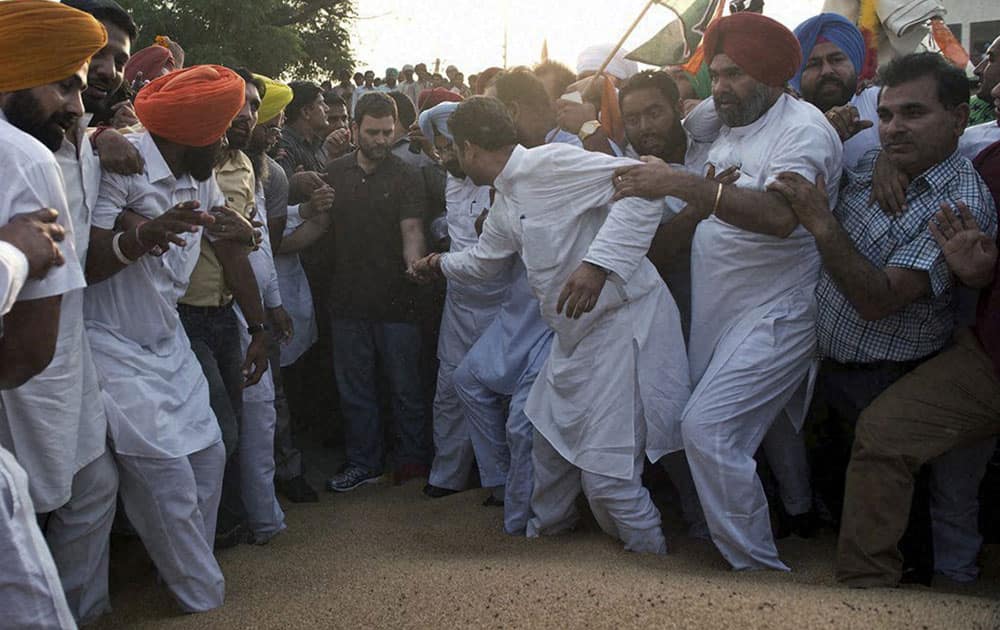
{"x": 924, "y": 326}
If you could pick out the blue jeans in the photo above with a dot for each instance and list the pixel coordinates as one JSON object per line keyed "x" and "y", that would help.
{"x": 360, "y": 346}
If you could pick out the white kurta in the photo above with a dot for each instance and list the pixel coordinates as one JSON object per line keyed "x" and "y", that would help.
{"x": 977, "y": 138}
{"x": 738, "y": 275}
{"x": 296, "y": 297}
{"x": 752, "y": 343}
{"x": 153, "y": 387}
{"x": 469, "y": 307}
{"x": 552, "y": 208}
{"x": 40, "y": 421}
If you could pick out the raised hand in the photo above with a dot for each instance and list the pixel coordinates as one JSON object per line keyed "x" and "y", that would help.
{"x": 165, "y": 230}
{"x": 847, "y": 121}
{"x": 970, "y": 253}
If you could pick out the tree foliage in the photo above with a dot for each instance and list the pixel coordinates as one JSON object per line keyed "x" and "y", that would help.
{"x": 301, "y": 38}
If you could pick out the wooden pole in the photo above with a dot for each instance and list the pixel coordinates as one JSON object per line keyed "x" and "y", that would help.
{"x": 621, "y": 42}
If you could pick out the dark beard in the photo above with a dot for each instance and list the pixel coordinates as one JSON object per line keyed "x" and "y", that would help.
{"x": 22, "y": 111}
{"x": 238, "y": 138}
{"x": 674, "y": 142}
{"x": 199, "y": 162}
{"x": 375, "y": 154}
{"x": 749, "y": 110}
{"x": 826, "y": 103}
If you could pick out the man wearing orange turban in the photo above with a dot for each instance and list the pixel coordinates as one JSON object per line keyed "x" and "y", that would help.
{"x": 754, "y": 271}
{"x": 46, "y": 48}
{"x": 192, "y": 107}
{"x": 166, "y": 439}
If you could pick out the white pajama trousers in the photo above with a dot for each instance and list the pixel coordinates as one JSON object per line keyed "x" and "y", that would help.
{"x": 31, "y": 595}
{"x": 622, "y": 507}
{"x": 264, "y": 514}
{"x": 453, "y": 453}
{"x": 739, "y": 399}
{"x": 79, "y": 536}
{"x": 173, "y": 504}
{"x": 502, "y": 442}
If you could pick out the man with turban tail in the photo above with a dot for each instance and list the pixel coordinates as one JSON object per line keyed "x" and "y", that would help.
{"x": 165, "y": 435}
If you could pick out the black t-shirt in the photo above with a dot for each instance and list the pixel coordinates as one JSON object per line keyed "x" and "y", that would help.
{"x": 369, "y": 274}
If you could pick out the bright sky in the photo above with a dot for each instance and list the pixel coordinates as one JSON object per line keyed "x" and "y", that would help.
{"x": 470, "y": 33}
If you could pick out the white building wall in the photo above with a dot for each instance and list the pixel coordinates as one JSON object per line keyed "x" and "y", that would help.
{"x": 969, "y": 12}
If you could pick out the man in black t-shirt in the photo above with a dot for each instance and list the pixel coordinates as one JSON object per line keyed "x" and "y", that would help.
{"x": 377, "y": 232}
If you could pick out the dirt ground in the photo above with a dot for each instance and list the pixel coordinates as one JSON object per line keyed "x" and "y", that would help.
{"x": 388, "y": 557}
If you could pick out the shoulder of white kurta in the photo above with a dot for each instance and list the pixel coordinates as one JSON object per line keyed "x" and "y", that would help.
{"x": 23, "y": 149}
{"x": 798, "y": 123}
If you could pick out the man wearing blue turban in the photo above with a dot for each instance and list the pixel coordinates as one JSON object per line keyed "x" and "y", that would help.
{"x": 833, "y": 51}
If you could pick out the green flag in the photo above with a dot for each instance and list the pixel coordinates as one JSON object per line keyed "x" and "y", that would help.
{"x": 675, "y": 43}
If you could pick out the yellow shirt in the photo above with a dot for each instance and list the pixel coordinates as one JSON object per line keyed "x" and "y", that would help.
{"x": 208, "y": 284}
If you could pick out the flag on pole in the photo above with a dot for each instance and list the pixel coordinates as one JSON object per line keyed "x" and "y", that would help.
{"x": 949, "y": 46}
{"x": 679, "y": 40}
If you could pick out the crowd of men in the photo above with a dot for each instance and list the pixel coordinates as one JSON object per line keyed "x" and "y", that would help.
{"x": 624, "y": 273}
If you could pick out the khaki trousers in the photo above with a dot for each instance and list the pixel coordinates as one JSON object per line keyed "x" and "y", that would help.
{"x": 949, "y": 401}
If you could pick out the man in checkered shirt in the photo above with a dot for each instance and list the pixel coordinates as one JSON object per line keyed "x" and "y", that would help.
{"x": 886, "y": 299}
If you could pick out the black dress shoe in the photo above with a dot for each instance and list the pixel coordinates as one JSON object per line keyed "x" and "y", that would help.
{"x": 298, "y": 490}
{"x": 492, "y": 501}
{"x": 435, "y": 492}
{"x": 916, "y": 575}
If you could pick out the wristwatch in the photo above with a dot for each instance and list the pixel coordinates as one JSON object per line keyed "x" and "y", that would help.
{"x": 256, "y": 328}
{"x": 588, "y": 129}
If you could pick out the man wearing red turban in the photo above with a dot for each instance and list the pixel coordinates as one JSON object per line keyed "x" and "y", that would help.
{"x": 753, "y": 274}
{"x": 149, "y": 63}
{"x": 167, "y": 441}
{"x": 435, "y": 96}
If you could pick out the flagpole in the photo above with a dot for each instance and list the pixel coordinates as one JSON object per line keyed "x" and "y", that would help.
{"x": 621, "y": 42}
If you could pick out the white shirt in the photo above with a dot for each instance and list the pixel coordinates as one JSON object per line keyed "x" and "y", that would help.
{"x": 867, "y": 139}
{"x": 13, "y": 273}
{"x": 553, "y": 207}
{"x": 977, "y": 138}
{"x": 469, "y": 307}
{"x": 155, "y": 392}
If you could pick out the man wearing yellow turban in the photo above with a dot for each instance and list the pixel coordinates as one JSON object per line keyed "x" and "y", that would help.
{"x": 46, "y": 48}
{"x": 166, "y": 439}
